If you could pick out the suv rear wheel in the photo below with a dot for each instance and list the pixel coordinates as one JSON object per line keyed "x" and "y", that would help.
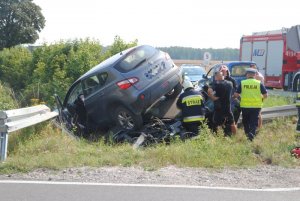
{"x": 125, "y": 119}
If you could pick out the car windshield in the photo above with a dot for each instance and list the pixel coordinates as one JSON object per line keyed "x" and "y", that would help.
{"x": 193, "y": 70}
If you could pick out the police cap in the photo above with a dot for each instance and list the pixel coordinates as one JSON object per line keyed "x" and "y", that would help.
{"x": 251, "y": 71}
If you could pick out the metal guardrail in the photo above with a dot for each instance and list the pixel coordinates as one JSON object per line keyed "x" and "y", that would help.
{"x": 13, "y": 120}
{"x": 279, "y": 111}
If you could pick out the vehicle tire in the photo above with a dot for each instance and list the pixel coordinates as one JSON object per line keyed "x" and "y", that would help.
{"x": 174, "y": 92}
{"x": 296, "y": 84}
{"x": 127, "y": 120}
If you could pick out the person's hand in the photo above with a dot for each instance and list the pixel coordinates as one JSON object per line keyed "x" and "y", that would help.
{"x": 210, "y": 91}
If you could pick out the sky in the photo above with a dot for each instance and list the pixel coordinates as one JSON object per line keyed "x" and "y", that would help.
{"x": 165, "y": 23}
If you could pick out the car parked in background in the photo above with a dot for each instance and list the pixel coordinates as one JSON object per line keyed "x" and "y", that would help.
{"x": 119, "y": 90}
{"x": 193, "y": 72}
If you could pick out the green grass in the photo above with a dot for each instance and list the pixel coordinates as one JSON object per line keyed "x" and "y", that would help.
{"x": 44, "y": 146}
{"x": 272, "y": 101}
{"x": 47, "y": 147}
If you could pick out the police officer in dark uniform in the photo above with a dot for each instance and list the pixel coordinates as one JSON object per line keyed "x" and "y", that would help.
{"x": 252, "y": 93}
{"x": 190, "y": 102}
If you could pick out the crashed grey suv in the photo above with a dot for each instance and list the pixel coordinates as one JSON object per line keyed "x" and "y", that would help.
{"x": 119, "y": 90}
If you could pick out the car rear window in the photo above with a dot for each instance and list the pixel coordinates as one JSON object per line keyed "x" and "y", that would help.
{"x": 136, "y": 58}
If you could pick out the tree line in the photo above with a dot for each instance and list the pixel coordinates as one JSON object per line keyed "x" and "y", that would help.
{"x": 188, "y": 53}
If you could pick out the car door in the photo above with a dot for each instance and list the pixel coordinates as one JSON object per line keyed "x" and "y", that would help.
{"x": 69, "y": 108}
{"x": 95, "y": 96}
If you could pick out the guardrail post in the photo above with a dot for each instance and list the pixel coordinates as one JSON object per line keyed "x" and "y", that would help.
{"x": 3, "y": 146}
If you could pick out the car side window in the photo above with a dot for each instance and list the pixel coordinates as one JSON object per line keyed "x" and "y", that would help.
{"x": 77, "y": 90}
{"x": 93, "y": 83}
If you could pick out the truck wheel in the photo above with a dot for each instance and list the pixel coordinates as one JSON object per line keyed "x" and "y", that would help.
{"x": 296, "y": 84}
{"x": 174, "y": 92}
{"x": 127, "y": 120}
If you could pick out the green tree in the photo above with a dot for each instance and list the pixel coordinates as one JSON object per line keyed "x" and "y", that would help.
{"x": 120, "y": 45}
{"x": 49, "y": 69}
{"x": 57, "y": 66}
{"x": 20, "y": 22}
{"x": 15, "y": 67}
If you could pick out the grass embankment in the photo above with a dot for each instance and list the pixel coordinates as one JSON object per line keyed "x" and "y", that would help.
{"x": 273, "y": 100}
{"x": 44, "y": 146}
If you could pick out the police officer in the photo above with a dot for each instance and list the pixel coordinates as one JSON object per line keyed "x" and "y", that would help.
{"x": 261, "y": 78}
{"x": 190, "y": 102}
{"x": 252, "y": 93}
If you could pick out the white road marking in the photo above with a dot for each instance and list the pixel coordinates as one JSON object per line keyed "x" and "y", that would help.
{"x": 149, "y": 185}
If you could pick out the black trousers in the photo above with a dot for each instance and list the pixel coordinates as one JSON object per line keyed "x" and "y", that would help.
{"x": 192, "y": 126}
{"x": 224, "y": 119}
{"x": 250, "y": 121}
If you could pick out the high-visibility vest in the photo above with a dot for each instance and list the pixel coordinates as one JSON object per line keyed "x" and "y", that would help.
{"x": 250, "y": 94}
{"x": 298, "y": 100}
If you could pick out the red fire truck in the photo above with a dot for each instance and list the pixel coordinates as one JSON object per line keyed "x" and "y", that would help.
{"x": 277, "y": 55}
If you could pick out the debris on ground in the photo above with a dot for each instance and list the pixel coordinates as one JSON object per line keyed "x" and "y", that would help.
{"x": 153, "y": 132}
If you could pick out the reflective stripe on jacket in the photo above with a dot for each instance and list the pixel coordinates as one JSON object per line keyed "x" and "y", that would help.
{"x": 251, "y": 96}
{"x": 194, "y": 118}
{"x": 191, "y": 104}
{"x": 192, "y": 100}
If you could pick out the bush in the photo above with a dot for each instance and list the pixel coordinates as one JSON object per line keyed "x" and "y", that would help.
{"x": 15, "y": 67}
{"x": 7, "y": 98}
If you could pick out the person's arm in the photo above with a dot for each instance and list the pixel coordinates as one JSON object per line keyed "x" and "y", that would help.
{"x": 211, "y": 95}
{"x": 233, "y": 84}
{"x": 265, "y": 96}
{"x": 237, "y": 92}
{"x": 263, "y": 91}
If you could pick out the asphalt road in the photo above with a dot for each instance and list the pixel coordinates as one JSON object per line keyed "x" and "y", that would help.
{"x": 52, "y": 191}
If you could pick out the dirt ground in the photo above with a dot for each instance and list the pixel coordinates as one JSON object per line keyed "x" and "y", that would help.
{"x": 256, "y": 178}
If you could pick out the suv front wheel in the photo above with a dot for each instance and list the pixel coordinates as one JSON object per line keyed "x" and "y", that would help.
{"x": 127, "y": 120}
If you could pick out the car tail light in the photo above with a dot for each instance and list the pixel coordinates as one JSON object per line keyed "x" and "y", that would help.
{"x": 125, "y": 84}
